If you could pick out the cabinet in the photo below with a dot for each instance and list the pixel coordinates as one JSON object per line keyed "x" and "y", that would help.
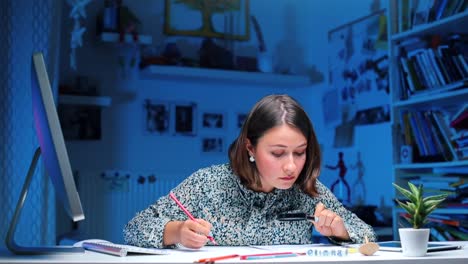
{"x": 428, "y": 82}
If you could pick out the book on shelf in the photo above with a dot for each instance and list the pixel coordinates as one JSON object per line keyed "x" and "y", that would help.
{"x": 463, "y": 170}
{"x": 460, "y": 142}
{"x": 449, "y": 227}
{"x": 459, "y": 183}
{"x": 459, "y": 233}
{"x": 437, "y": 9}
{"x": 463, "y": 153}
{"x": 404, "y": 15}
{"x": 411, "y": 13}
{"x": 451, "y": 61}
{"x": 416, "y": 131}
{"x": 442, "y": 125}
{"x": 436, "y": 136}
{"x": 421, "y": 12}
{"x": 432, "y": 64}
{"x": 429, "y": 134}
{"x": 460, "y": 118}
{"x": 452, "y": 7}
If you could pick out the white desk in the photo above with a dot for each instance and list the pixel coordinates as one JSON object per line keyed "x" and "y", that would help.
{"x": 188, "y": 256}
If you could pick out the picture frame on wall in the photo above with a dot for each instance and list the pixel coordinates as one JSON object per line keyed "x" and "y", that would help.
{"x": 213, "y": 120}
{"x": 184, "y": 118}
{"x": 222, "y": 19}
{"x": 212, "y": 144}
{"x": 240, "y": 119}
{"x": 156, "y": 116}
{"x": 80, "y": 122}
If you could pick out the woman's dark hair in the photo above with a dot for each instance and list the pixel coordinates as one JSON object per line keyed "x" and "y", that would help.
{"x": 272, "y": 111}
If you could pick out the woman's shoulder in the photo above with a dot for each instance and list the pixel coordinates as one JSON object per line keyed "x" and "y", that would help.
{"x": 214, "y": 172}
{"x": 215, "y": 176}
{"x": 223, "y": 168}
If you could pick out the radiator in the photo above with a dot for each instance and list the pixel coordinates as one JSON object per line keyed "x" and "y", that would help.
{"x": 110, "y": 199}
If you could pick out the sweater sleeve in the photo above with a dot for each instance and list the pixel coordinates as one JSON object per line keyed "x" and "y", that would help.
{"x": 146, "y": 229}
{"x": 356, "y": 227}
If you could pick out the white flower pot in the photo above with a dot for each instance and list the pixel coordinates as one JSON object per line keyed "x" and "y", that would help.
{"x": 414, "y": 241}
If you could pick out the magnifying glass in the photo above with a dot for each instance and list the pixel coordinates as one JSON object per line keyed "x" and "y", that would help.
{"x": 288, "y": 216}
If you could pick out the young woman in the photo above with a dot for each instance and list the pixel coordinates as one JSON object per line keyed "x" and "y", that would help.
{"x": 273, "y": 169}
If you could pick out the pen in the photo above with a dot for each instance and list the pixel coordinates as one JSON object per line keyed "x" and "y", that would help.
{"x": 188, "y": 213}
{"x": 213, "y": 259}
{"x": 269, "y": 256}
{"x": 266, "y": 254}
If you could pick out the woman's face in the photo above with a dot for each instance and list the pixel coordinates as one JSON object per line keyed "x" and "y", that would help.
{"x": 280, "y": 155}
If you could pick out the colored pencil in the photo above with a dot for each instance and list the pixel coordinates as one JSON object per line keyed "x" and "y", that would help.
{"x": 213, "y": 259}
{"x": 269, "y": 256}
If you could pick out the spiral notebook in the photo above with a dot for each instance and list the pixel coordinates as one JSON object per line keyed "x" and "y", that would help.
{"x": 119, "y": 249}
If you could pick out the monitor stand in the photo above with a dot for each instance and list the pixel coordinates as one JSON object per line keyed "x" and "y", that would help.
{"x": 10, "y": 241}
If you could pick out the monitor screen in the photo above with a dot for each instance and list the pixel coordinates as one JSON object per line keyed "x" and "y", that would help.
{"x": 54, "y": 155}
{"x": 51, "y": 141}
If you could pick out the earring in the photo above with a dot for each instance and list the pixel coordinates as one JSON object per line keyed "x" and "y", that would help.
{"x": 251, "y": 158}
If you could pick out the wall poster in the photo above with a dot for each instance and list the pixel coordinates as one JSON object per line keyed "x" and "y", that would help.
{"x": 358, "y": 65}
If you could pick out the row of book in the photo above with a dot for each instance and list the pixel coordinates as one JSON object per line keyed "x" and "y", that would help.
{"x": 411, "y": 13}
{"x": 453, "y": 184}
{"x": 430, "y": 135}
{"x": 456, "y": 196}
{"x": 432, "y": 64}
{"x": 443, "y": 227}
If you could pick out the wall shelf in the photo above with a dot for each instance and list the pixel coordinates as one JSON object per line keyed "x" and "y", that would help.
{"x": 169, "y": 72}
{"x": 103, "y": 101}
{"x": 114, "y": 37}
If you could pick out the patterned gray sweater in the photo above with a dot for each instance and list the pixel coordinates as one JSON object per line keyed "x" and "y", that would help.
{"x": 239, "y": 215}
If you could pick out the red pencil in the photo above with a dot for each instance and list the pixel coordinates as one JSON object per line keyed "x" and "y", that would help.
{"x": 213, "y": 259}
{"x": 188, "y": 213}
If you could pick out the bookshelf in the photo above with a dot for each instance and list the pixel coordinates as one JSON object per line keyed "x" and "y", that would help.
{"x": 428, "y": 48}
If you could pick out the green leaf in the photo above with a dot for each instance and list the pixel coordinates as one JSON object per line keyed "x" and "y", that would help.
{"x": 418, "y": 207}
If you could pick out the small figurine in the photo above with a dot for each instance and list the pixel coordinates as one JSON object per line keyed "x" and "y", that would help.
{"x": 341, "y": 178}
{"x": 359, "y": 187}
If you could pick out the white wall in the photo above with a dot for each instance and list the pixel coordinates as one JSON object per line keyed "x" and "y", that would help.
{"x": 296, "y": 31}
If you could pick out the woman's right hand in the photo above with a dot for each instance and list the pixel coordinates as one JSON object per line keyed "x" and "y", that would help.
{"x": 189, "y": 233}
{"x": 193, "y": 234}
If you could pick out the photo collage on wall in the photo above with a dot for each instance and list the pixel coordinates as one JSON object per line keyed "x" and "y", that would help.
{"x": 214, "y": 125}
{"x": 358, "y": 61}
{"x": 358, "y": 75}
{"x": 176, "y": 118}
{"x": 183, "y": 119}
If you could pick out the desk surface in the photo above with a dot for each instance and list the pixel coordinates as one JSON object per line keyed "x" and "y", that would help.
{"x": 189, "y": 256}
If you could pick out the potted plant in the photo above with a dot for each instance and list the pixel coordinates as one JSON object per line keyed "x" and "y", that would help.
{"x": 414, "y": 239}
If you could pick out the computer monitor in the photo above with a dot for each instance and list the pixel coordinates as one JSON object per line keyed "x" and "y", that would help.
{"x": 54, "y": 155}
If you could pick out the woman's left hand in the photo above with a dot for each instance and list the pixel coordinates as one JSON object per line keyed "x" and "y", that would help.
{"x": 329, "y": 223}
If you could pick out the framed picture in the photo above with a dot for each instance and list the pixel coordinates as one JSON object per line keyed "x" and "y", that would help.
{"x": 227, "y": 19}
{"x": 213, "y": 120}
{"x": 185, "y": 118}
{"x": 212, "y": 144}
{"x": 80, "y": 122}
{"x": 240, "y": 119}
{"x": 156, "y": 116}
